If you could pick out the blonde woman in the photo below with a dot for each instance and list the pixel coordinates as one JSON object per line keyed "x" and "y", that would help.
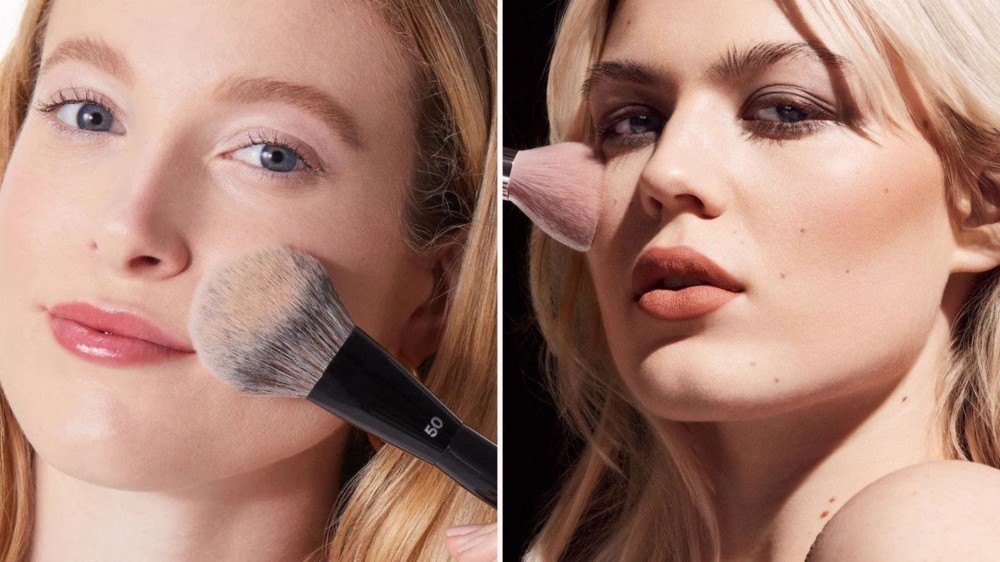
{"x": 788, "y": 320}
{"x": 141, "y": 143}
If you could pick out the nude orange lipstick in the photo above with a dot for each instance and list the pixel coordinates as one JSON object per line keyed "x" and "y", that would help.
{"x": 679, "y": 283}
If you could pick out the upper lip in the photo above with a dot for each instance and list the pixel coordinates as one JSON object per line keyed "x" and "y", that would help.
{"x": 119, "y": 321}
{"x": 656, "y": 265}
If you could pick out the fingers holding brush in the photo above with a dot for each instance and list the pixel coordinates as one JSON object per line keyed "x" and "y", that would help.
{"x": 472, "y": 543}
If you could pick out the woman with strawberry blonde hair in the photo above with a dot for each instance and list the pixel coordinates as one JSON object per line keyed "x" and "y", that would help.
{"x": 143, "y": 143}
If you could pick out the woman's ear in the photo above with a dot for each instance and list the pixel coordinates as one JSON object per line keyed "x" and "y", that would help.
{"x": 422, "y": 332}
{"x": 978, "y": 230}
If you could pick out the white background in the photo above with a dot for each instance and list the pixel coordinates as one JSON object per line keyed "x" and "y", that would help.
{"x": 10, "y": 15}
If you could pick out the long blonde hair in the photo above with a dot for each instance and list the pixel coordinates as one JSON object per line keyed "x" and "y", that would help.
{"x": 400, "y": 506}
{"x": 397, "y": 507}
{"x": 638, "y": 492}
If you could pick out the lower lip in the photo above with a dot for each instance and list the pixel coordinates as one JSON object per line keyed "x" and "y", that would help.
{"x": 109, "y": 349}
{"x": 685, "y": 304}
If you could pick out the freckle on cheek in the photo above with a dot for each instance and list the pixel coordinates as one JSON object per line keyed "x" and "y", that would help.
{"x": 832, "y": 500}
{"x": 802, "y": 230}
{"x": 782, "y": 275}
{"x": 776, "y": 380}
{"x": 903, "y": 400}
{"x": 753, "y": 363}
{"x": 824, "y": 514}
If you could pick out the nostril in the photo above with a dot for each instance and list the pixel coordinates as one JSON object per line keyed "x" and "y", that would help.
{"x": 652, "y": 205}
{"x": 147, "y": 260}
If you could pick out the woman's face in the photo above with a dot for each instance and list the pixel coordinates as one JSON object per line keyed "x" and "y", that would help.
{"x": 727, "y": 135}
{"x": 166, "y": 138}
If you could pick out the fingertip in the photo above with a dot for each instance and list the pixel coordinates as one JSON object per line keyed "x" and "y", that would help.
{"x": 472, "y": 543}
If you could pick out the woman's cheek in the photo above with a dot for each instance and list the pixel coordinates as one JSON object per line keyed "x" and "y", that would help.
{"x": 44, "y": 200}
{"x": 27, "y": 225}
{"x": 861, "y": 208}
{"x": 623, "y": 228}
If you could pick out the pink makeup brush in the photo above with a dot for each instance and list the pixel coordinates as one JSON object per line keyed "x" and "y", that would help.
{"x": 559, "y": 188}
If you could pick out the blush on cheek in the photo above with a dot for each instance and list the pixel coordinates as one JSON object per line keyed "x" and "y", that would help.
{"x": 38, "y": 210}
{"x": 863, "y": 199}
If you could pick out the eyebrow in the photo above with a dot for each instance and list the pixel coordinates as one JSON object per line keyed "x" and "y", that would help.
{"x": 741, "y": 61}
{"x": 307, "y": 98}
{"x": 736, "y": 62}
{"x": 94, "y": 52}
{"x": 617, "y": 71}
{"x": 236, "y": 90}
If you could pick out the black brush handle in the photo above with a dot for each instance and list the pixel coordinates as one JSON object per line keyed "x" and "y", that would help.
{"x": 365, "y": 386}
{"x": 472, "y": 462}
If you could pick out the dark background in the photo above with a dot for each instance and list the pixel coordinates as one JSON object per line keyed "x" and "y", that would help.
{"x": 536, "y": 448}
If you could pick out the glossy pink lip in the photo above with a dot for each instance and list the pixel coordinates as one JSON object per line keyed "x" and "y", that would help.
{"x": 113, "y": 336}
{"x": 659, "y": 265}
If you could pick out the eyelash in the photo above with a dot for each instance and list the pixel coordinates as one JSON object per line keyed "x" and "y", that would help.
{"x": 776, "y": 131}
{"x": 271, "y": 139}
{"x": 69, "y": 97}
{"x": 605, "y": 130}
{"x": 82, "y": 95}
{"x": 818, "y": 117}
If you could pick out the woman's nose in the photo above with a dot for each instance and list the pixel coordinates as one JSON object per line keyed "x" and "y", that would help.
{"x": 141, "y": 232}
{"x": 687, "y": 171}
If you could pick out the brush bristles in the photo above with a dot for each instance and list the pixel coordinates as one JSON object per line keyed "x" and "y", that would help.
{"x": 560, "y": 188}
{"x": 269, "y": 322}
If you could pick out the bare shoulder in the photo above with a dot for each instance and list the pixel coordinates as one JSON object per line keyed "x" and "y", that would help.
{"x": 943, "y": 510}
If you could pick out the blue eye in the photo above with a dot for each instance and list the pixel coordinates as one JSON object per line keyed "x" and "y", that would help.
{"x": 784, "y": 113}
{"x": 87, "y": 116}
{"x": 787, "y": 116}
{"x": 635, "y": 125}
{"x": 273, "y": 157}
{"x": 631, "y": 126}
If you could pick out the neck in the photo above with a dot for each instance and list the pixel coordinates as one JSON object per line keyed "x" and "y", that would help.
{"x": 779, "y": 480}
{"x": 278, "y": 512}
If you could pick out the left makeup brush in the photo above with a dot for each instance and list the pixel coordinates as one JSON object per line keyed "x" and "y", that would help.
{"x": 270, "y": 323}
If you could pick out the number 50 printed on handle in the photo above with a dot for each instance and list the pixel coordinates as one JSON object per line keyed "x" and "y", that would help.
{"x": 433, "y": 427}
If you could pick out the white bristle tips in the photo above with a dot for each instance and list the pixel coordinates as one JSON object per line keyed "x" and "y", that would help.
{"x": 269, "y": 321}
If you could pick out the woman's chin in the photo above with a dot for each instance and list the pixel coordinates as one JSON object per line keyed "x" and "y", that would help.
{"x": 718, "y": 403}
{"x": 123, "y": 465}
{"x": 723, "y": 388}
{"x": 136, "y": 454}
{"x": 127, "y": 464}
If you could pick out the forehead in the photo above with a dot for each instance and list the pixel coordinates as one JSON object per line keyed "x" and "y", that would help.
{"x": 695, "y": 32}
{"x": 342, "y": 46}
